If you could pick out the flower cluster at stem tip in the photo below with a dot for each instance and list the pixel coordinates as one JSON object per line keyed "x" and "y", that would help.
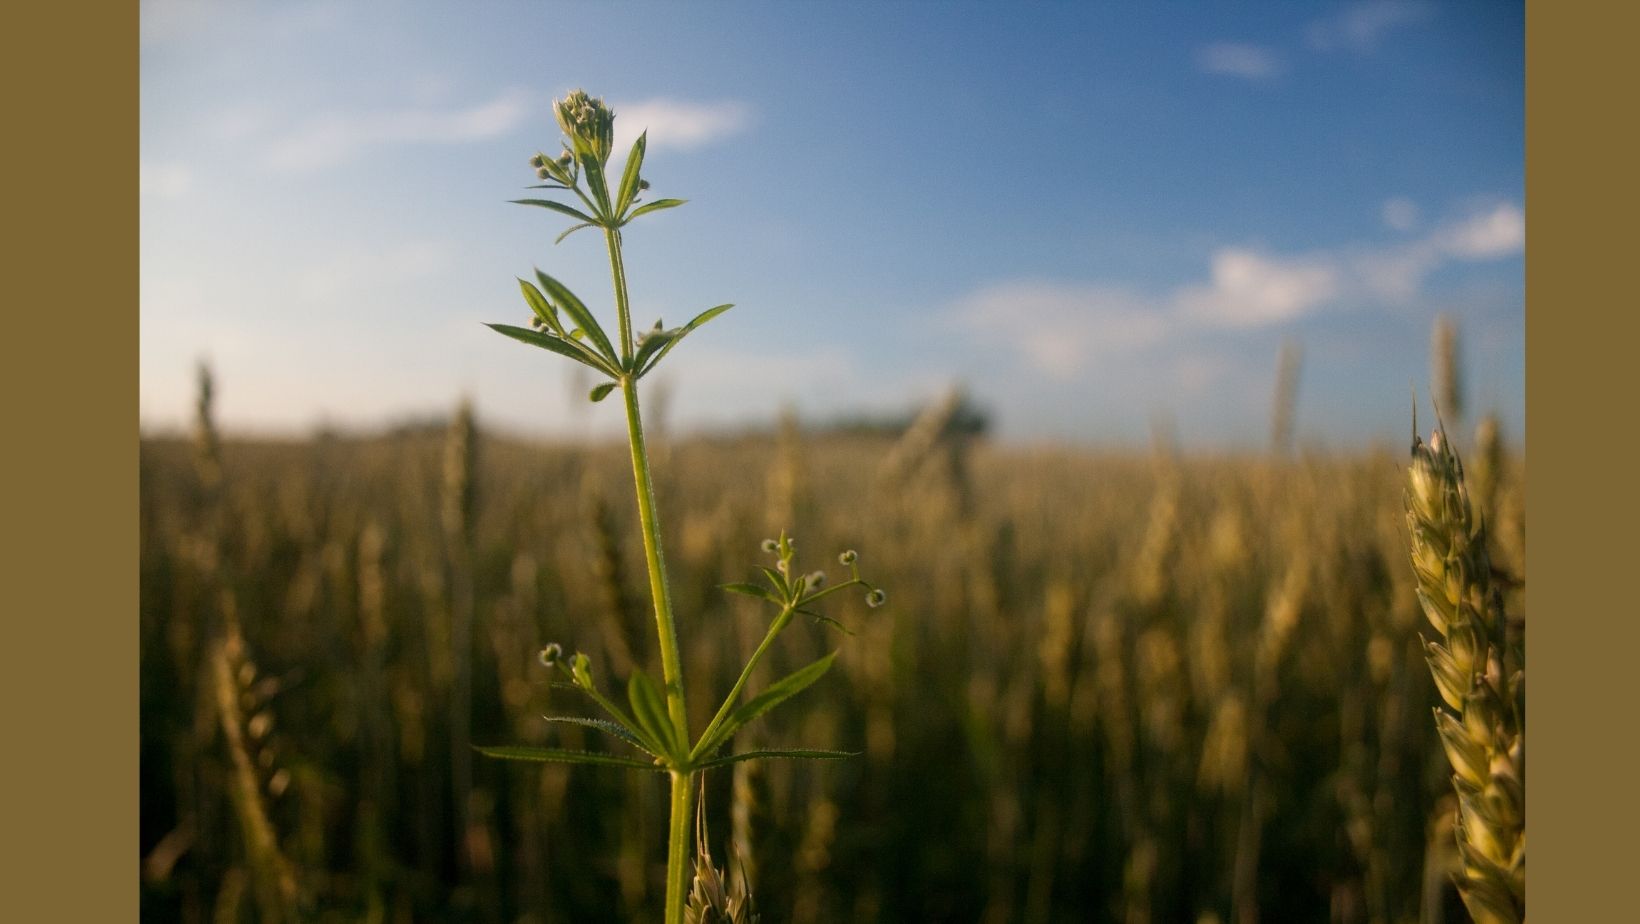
{"x": 785, "y": 546}
{"x": 589, "y": 124}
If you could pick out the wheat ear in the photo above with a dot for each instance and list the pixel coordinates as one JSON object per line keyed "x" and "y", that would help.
{"x": 1478, "y": 668}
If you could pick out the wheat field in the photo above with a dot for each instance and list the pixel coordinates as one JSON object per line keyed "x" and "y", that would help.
{"x": 1108, "y": 686}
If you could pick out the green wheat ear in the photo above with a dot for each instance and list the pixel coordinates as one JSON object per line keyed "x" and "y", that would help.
{"x": 654, "y": 722}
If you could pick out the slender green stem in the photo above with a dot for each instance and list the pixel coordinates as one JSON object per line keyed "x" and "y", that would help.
{"x": 623, "y": 309}
{"x": 591, "y": 207}
{"x": 775, "y": 628}
{"x": 830, "y": 590}
{"x": 677, "y": 853}
{"x": 740, "y": 684}
{"x": 665, "y": 627}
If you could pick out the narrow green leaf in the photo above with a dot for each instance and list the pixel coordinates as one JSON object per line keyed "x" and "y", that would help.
{"x": 560, "y": 238}
{"x": 555, "y": 344}
{"x": 601, "y": 392}
{"x": 777, "y": 693}
{"x": 558, "y": 756}
{"x": 821, "y": 617}
{"x": 629, "y": 177}
{"x": 543, "y": 309}
{"x": 655, "y": 206}
{"x": 751, "y": 590}
{"x": 604, "y": 703}
{"x": 577, "y": 310}
{"x": 706, "y": 315}
{"x": 682, "y": 332}
{"x": 558, "y": 207}
{"x": 772, "y": 755}
{"x": 653, "y": 341}
{"x": 779, "y": 582}
{"x": 547, "y": 186}
{"x": 620, "y": 731}
{"x": 650, "y": 710}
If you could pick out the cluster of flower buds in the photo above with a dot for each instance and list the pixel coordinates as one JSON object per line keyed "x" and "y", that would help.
{"x": 580, "y": 670}
{"x": 785, "y": 548}
{"x": 579, "y": 666}
{"x": 561, "y": 169}
{"x": 551, "y": 655}
{"x": 589, "y": 124}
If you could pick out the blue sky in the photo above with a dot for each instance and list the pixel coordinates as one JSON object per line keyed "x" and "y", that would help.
{"x": 1090, "y": 215}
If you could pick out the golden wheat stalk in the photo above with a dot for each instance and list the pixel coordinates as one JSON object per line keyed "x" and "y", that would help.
{"x": 1286, "y": 398}
{"x": 234, "y": 686}
{"x": 1443, "y": 361}
{"x": 1478, "y": 670}
{"x": 207, "y": 442}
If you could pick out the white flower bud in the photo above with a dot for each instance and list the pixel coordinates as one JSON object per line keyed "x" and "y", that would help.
{"x": 589, "y": 124}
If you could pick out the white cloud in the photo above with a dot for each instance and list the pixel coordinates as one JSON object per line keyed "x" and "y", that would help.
{"x": 164, "y": 181}
{"x": 350, "y": 273}
{"x": 1059, "y": 325}
{"x": 1400, "y": 213}
{"x": 1359, "y": 26}
{"x": 1398, "y": 273}
{"x": 1250, "y": 289}
{"x": 721, "y": 384}
{"x": 1498, "y": 232}
{"x": 335, "y": 138}
{"x": 1234, "y": 59}
{"x": 176, "y": 21}
{"x": 239, "y": 123}
{"x": 677, "y": 124}
{"x": 1057, "y": 328}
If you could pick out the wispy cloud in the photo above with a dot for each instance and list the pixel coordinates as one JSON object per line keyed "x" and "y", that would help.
{"x": 334, "y": 138}
{"x": 678, "y": 124}
{"x": 1250, "y": 289}
{"x": 178, "y": 21}
{"x": 164, "y": 181}
{"x": 1398, "y": 272}
{"x": 1400, "y": 213}
{"x": 1236, "y": 59}
{"x": 719, "y": 384}
{"x": 1498, "y": 232}
{"x": 1360, "y": 26}
{"x": 1057, "y": 327}
{"x": 348, "y": 274}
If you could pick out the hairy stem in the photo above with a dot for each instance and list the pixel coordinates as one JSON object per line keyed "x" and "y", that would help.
{"x": 677, "y": 851}
{"x": 665, "y": 626}
{"x": 623, "y": 308}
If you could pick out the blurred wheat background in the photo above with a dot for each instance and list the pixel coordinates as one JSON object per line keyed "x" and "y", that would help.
{"x": 1121, "y": 676}
{"x": 1123, "y": 686}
